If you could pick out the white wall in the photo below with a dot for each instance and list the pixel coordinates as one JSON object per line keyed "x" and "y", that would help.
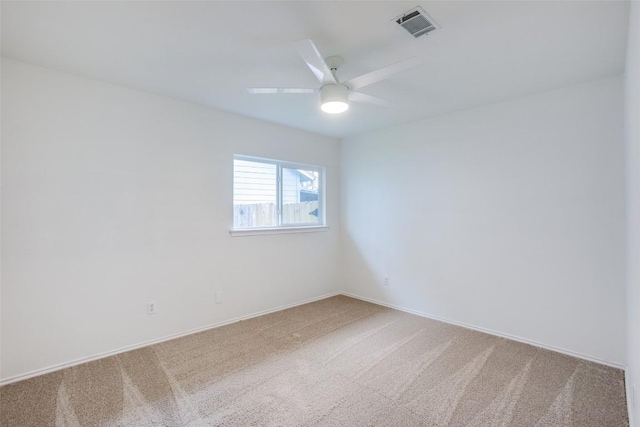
{"x": 112, "y": 197}
{"x": 633, "y": 211}
{"x": 508, "y": 217}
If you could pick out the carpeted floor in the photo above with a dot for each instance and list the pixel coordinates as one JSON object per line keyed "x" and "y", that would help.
{"x": 335, "y": 362}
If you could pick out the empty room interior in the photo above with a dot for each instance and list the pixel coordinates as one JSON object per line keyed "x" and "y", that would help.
{"x": 320, "y": 213}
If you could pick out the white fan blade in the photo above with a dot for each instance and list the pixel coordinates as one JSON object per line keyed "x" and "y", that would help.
{"x": 368, "y": 99}
{"x": 272, "y": 90}
{"x": 309, "y": 53}
{"x": 382, "y": 73}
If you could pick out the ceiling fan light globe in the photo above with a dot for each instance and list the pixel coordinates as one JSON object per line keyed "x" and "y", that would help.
{"x": 334, "y": 99}
{"x": 334, "y": 107}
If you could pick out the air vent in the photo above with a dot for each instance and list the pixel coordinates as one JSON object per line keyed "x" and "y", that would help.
{"x": 417, "y": 22}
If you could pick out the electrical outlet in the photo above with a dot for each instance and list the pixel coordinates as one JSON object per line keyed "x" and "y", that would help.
{"x": 218, "y": 297}
{"x": 151, "y": 307}
{"x": 386, "y": 281}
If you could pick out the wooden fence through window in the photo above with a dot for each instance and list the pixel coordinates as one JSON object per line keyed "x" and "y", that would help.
{"x": 265, "y": 214}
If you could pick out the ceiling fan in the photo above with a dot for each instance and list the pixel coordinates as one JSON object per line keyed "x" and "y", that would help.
{"x": 335, "y": 95}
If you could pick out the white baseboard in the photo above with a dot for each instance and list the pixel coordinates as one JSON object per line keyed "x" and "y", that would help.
{"x": 75, "y": 362}
{"x": 490, "y": 332}
{"x": 79, "y": 361}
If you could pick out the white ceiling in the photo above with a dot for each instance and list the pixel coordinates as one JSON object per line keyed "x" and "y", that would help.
{"x": 209, "y": 52}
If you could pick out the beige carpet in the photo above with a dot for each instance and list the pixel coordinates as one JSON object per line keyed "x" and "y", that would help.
{"x": 336, "y": 362}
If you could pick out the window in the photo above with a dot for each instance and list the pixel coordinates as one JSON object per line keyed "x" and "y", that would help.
{"x": 276, "y": 194}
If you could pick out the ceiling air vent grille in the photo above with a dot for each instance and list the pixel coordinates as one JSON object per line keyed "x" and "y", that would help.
{"x": 417, "y": 22}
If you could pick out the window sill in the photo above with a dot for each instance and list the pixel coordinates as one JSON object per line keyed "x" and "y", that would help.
{"x": 279, "y": 230}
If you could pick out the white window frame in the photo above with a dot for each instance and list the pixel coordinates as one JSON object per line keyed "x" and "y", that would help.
{"x": 321, "y": 225}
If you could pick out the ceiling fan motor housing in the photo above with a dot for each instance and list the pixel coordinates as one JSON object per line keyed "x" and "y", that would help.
{"x": 334, "y": 98}
{"x": 334, "y": 93}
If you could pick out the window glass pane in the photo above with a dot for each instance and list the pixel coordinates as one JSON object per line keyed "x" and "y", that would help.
{"x": 300, "y": 201}
{"x": 254, "y": 194}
